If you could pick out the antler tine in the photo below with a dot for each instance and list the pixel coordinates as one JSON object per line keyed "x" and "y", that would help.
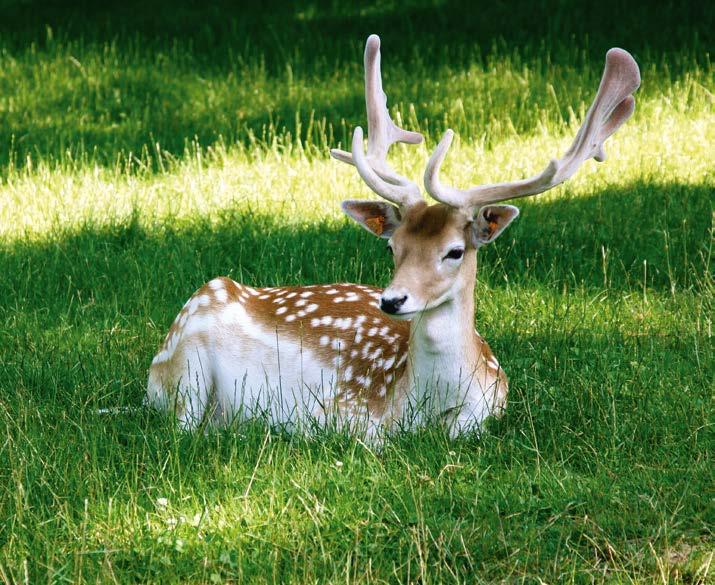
{"x": 611, "y": 107}
{"x": 382, "y": 134}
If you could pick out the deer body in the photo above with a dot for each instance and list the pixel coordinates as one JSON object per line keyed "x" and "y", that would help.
{"x": 358, "y": 355}
{"x": 303, "y": 356}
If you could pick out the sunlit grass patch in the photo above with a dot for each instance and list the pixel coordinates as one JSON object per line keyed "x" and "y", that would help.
{"x": 298, "y": 188}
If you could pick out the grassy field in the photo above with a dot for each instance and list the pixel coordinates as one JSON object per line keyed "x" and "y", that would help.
{"x": 145, "y": 148}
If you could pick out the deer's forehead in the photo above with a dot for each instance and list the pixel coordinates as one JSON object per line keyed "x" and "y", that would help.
{"x": 434, "y": 222}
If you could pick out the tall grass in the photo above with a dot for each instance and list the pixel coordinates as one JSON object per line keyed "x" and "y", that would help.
{"x": 145, "y": 149}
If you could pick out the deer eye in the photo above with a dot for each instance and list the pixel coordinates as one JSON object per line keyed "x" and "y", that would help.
{"x": 455, "y": 254}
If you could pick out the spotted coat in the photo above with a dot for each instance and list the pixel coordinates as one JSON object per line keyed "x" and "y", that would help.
{"x": 363, "y": 351}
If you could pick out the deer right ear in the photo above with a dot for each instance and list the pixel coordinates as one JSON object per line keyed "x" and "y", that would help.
{"x": 490, "y": 221}
{"x": 379, "y": 218}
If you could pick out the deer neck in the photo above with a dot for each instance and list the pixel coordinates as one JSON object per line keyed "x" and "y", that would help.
{"x": 444, "y": 347}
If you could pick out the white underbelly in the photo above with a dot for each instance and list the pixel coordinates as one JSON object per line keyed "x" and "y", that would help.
{"x": 275, "y": 378}
{"x": 259, "y": 373}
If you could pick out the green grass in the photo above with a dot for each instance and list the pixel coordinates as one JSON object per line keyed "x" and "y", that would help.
{"x": 145, "y": 149}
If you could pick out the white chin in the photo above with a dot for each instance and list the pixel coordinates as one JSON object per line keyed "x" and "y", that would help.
{"x": 407, "y": 316}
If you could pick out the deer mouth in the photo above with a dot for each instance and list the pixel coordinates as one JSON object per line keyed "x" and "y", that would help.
{"x": 405, "y": 316}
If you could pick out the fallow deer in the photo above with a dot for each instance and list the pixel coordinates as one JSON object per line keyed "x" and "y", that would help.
{"x": 362, "y": 356}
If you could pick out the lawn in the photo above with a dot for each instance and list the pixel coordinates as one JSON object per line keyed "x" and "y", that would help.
{"x": 146, "y": 148}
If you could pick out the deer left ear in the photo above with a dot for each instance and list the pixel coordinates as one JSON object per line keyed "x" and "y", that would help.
{"x": 490, "y": 221}
{"x": 380, "y": 219}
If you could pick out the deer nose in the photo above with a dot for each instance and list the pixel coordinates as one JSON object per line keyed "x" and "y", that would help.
{"x": 391, "y": 306}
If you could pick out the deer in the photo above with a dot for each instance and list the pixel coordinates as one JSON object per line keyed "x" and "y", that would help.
{"x": 360, "y": 357}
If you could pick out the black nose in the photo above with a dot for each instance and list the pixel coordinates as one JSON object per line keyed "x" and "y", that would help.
{"x": 391, "y": 306}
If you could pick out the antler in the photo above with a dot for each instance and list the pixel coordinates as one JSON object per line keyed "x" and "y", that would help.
{"x": 382, "y": 133}
{"x": 612, "y": 106}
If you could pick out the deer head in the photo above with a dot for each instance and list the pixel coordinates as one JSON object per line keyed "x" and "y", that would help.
{"x": 434, "y": 246}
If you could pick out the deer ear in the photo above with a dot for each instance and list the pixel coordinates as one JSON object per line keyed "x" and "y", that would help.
{"x": 490, "y": 221}
{"x": 380, "y": 219}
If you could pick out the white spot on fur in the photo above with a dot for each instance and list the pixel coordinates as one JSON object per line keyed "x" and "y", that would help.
{"x": 300, "y": 303}
{"x": 389, "y": 362}
{"x": 372, "y": 331}
{"x": 343, "y": 323}
{"x": 290, "y": 318}
{"x": 264, "y": 297}
{"x": 305, "y": 295}
{"x": 332, "y": 291}
{"x": 314, "y": 322}
{"x": 324, "y": 340}
{"x": 335, "y": 344}
{"x": 312, "y": 307}
{"x": 204, "y": 300}
{"x": 327, "y": 320}
{"x": 281, "y": 310}
{"x": 338, "y": 299}
{"x": 193, "y": 305}
{"x": 363, "y": 380}
{"x": 384, "y": 331}
{"x": 301, "y": 313}
{"x": 348, "y": 374}
{"x": 366, "y": 349}
{"x": 216, "y": 284}
{"x": 291, "y": 295}
{"x": 221, "y": 295}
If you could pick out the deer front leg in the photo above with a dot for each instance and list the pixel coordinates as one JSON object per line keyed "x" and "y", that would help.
{"x": 479, "y": 403}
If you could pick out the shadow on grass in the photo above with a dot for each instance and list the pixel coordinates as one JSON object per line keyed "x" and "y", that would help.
{"x": 276, "y": 28}
{"x": 646, "y": 234}
{"x": 117, "y": 78}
